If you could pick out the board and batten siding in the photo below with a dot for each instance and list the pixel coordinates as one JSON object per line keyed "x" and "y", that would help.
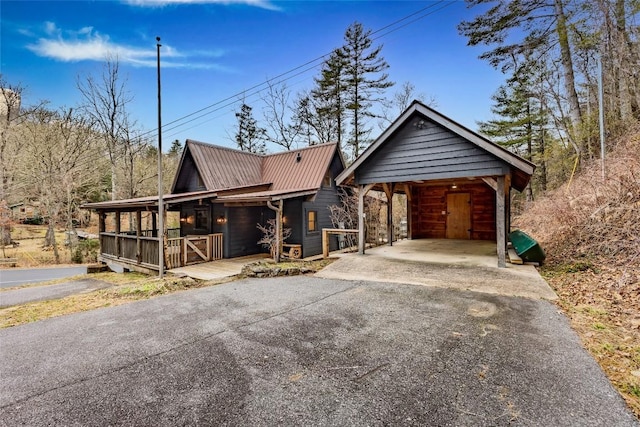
{"x": 188, "y": 179}
{"x": 242, "y": 234}
{"x": 325, "y": 197}
{"x": 432, "y": 152}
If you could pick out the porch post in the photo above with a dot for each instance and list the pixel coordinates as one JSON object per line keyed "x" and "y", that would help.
{"x": 154, "y": 225}
{"x": 102, "y": 217}
{"x": 388, "y": 191}
{"x": 362, "y": 191}
{"x": 278, "y": 230}
{"x": 361, "y": 219}
{"x": 407, "y": 191}
{"x": 500, "y": 222}
{"x": 138, "y": 234}
{"x": 117, "y": 234}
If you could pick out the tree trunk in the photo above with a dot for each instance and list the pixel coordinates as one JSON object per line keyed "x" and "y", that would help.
{"x": 575, "y": 113}
{"x": 50, "y": 241}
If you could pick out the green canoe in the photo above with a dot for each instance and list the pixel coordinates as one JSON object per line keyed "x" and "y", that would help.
{"x": 526, "y": 247}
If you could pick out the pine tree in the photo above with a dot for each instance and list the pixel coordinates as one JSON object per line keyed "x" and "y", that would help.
{"x": 520, "y": 124}
{"x": 329, "y": 97}
{"x": 541, "y": 25}
{"x": 249, "y": 136}
{"x": 364, "y": 82}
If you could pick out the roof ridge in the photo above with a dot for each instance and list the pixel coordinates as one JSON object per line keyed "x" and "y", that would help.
{"x": 221, "y": 147}
{"x": 310, "y": 147}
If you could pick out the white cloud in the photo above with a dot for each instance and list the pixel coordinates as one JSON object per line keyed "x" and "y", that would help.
{"x": 264, "y": 4}
{"x": 86, "y": 44}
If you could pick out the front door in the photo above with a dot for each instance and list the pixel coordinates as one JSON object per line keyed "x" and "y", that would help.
{"x": 458, "y": 216}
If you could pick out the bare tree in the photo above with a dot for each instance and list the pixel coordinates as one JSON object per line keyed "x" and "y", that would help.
{"x": 59, "y": 145}
{"x": 280, "y": 128}
{"x": 105, "y": 101}
{"x": 400, "y": 101}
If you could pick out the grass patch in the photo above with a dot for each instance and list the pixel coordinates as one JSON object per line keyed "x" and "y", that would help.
{"x": 127, "y": 288}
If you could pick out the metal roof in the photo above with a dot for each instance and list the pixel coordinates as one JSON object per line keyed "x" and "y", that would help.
{"x": 222, "y": 167}
{"x": 232, "y": 175}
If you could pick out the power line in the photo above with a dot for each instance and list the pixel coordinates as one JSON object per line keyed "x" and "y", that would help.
{"x": 257, "y": 88}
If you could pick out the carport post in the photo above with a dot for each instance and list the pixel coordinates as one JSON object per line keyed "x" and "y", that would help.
{"x": 500, "y": 223}
{"x": 362, "y": 190}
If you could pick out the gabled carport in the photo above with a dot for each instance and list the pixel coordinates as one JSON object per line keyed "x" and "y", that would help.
{"x": 457, "y": 182}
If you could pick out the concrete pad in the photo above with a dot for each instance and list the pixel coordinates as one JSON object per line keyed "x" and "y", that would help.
{"x": 218, "y": 269}
{"x": 456, "y": 264}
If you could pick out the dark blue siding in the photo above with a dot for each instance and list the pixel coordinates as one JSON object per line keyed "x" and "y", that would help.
{"x": 242, "y": 234}
{"x": 293, "y": 215}
{"x": 188, "y": 179}
{"x": 433, "y": 152}
{"x": 312, "y": 243}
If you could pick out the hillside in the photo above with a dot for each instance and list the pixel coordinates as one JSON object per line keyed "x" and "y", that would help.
{"x": 590, "y": 230}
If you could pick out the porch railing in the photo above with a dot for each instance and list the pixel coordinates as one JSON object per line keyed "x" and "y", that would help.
{"x": 143, "y": 250}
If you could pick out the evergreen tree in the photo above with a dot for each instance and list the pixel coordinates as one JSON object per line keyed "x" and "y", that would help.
{"x": 541, "y": 25}
{"x": 249, "y": 136}
{"x": 364, "y": 82}
{"x": 176, "y": 148}
{"x": 329, "y": 98}
{"x": 520, "y": 124}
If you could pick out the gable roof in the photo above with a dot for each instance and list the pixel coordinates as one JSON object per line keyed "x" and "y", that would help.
{"x": 288, "y": 171}
{"x": 521, "y": 169}
{"x": 237, "y": 176}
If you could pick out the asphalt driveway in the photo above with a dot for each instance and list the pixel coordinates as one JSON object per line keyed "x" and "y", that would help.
{"x": 307, "y": 351}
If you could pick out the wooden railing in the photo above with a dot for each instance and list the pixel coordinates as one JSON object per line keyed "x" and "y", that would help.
{"x": 325, "y": 237}
{"x": 174, "y": 253}
{"x": 179, "y": 251}
{"x": 216, "y": 246}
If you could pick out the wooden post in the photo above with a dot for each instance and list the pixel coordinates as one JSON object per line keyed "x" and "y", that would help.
{"x": 407, "y": 192}
{"x": 117, "y": 234}
{"x": 102, "y": 221}
{"x": 325, "y": 243}
{"x": 388, "y": 191}
{"x": 138, "y": 234}
{"x": 500, "y": 222}
{"x": 278, "y": 211}
{"x": 154, "y": 225}
{"x": 362, "y": 191}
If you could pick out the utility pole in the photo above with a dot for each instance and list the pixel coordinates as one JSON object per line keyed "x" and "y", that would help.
{"x": 160, "y": 186}
{"x": 601, "y": 115}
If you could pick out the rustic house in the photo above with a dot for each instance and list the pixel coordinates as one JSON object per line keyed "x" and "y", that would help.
{"x": 221, "y": 195}
{"x": 457, "y": 182}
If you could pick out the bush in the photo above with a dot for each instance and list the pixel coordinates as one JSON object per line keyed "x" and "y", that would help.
{"x": 86, "y": 251}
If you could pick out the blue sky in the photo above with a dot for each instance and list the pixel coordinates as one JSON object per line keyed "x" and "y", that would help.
{"x": 214, "y": 50}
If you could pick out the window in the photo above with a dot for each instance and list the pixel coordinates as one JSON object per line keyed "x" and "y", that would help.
{"x": 326, "y": 182}
{"x": 199, "y": 181}
{"x": 202, "y": 219}
{"x": 312, "y": 221}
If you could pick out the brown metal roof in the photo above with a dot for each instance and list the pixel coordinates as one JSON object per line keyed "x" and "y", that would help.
{"x": 222, "y": 167}
{"x": 232, "y": 175}
{"x": 294, "y": 170}
{"x": 298, "y": 169}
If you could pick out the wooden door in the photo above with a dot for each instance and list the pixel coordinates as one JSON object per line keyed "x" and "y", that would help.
{"x": 458, "y": 216}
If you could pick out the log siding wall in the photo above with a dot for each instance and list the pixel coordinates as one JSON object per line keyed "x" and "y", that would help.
{"x": 429, "y": 202}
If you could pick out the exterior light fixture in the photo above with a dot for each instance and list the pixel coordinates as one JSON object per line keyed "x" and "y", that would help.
{"x": 221, "y": 219}
{"x": 454, "y": 186}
